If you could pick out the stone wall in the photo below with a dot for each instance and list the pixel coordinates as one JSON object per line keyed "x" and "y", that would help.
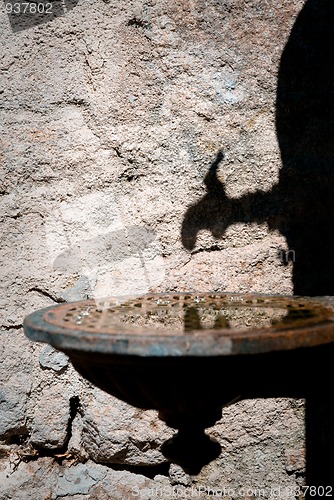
{"x": 111, "y": 114}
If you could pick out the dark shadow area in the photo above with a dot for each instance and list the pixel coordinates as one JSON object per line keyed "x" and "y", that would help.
{"x": 301, "y": 204}
{"x": 23, "y": 14}
{"x": 319, "y": 444}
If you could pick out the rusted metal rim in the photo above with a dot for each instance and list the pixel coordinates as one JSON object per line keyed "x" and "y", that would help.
{"x": 184, "y": 324}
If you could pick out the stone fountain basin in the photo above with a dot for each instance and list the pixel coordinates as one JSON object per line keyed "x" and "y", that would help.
{"x": 188, "y": 355}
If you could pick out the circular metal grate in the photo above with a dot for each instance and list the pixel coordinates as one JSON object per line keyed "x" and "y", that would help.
{"x": 189, "y": 313}
{"x": 185, "y": 324}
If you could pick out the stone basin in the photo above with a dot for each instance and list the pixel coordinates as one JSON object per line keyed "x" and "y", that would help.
{"x": 188, "y": 355}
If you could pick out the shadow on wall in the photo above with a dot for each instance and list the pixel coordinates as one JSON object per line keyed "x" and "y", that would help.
{"x": 301, "y": 204}
{"x": 24, "y": 14}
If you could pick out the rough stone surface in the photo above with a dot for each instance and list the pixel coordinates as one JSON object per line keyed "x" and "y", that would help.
{"x": 15, "y": 382}
{"x": 45, "y": 479}
{"x": 52, "y": 359}
{"x": 114, "y": 432}
{"x": 257, "y": 446}
{"x": 51, "y": 417}
{"x": 295, "y": 460}
{"x": 111, "y": 114}
{"x": 178, "y": 476}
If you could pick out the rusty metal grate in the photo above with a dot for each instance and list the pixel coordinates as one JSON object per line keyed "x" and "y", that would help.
{"x": 187, "y": 313}
{"x": 185, "y": 324}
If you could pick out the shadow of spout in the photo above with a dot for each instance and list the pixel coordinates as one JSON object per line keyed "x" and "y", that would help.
{"x": 216, "y": 211}
{"x": 215, "y": 204}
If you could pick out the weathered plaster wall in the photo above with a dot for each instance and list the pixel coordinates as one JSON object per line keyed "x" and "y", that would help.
{"x": 110, "y": 117}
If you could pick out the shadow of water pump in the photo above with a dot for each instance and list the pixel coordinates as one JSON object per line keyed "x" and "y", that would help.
{"x": 301, "y": 205}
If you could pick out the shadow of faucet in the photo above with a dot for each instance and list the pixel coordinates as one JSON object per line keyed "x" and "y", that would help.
{"x": 301, "y": 204}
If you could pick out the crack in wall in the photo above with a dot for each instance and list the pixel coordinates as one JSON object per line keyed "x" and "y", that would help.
{"x": 47, "y": 294}
{"x": 213, "y": 248}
